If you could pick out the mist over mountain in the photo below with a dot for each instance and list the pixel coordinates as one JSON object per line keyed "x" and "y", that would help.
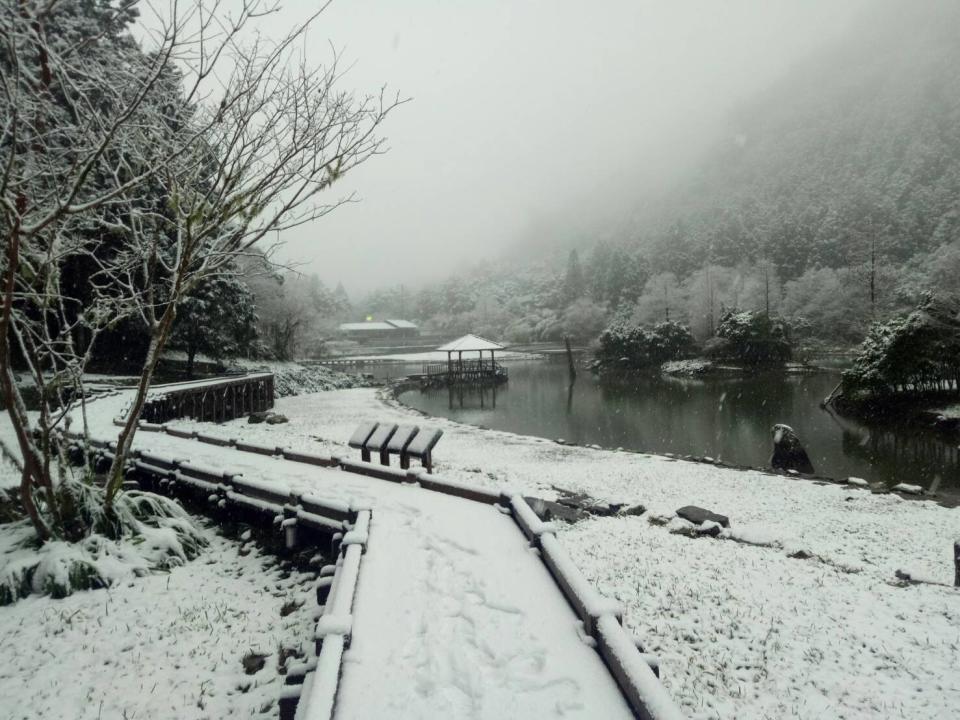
{"x": 858, "y": 144}
{"x": 832, "y": 197}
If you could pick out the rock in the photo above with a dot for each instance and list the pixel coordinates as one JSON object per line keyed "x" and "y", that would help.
{"x": 710, "y": 529}
{"x": 930, "y": 418}
{"x": 276, "y": 419}
{"x": 257, "y": 417}
{"x": 634, "y": 510}
{"x": 908, "y": 489}
{"x": 547, "y": 510}
{"x": 253, "y": 662}
{"x": 788, "y": 452}
{"x": 698, "y": 516}
{"x": 947, "y": 424}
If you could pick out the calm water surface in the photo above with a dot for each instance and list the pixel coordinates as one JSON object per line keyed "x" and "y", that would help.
{"x": 728, "y": 419}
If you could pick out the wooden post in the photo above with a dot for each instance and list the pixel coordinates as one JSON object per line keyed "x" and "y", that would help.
{"x": 573, "y": 369}
{"x": 956, "y": 564}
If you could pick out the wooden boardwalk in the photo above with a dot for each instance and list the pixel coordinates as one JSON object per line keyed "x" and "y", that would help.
{"x": 465, "y": 603}
{"x": 215, "y": 400}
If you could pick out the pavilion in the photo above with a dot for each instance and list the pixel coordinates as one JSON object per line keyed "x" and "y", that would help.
{"x": 460, "y": 371}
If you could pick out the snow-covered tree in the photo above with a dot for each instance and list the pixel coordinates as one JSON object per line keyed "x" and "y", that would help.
{"x": 218, "y": 319}
{"x": 911, "y": 354}
{"x": 584, "y": 319}
{"x": 574, "y": 284}
{"x": 186, "y": 155}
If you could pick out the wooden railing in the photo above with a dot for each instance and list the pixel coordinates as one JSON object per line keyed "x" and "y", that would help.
{"x": 467, "y": 372}
{"x": 212, "y": 400}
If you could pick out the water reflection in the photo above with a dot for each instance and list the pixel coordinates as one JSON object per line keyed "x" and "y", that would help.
{"x": 725, "y": 418}
{"x": 466, "y": 396}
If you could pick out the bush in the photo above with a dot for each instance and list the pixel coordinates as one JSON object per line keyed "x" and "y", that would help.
{"x": 143, "y": 533}
{"x": 752, "y": 338}
{"x": 636, "y": 346}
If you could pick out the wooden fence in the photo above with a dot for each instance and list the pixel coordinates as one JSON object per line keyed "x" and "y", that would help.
{"x": 212, "y": 401}
{"x": 471, "y": 372}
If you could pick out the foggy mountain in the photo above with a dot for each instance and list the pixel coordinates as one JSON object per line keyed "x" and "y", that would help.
{"x": 851, "y": 159}
{"x": 861, "y": 143}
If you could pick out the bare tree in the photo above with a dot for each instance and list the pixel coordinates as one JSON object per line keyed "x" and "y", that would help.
{"x": 188, "y": 155}
{"x": 281, "y": 134}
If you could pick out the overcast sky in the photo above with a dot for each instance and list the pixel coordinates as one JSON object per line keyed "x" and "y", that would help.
{"x": 530, "y": 117}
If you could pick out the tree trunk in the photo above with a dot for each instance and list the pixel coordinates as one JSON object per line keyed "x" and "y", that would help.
{"x": 125, "y": 439}
{"x": 956, "y": 563}
{"x": 191, "y": 354}
{"x": 573, "y": 369}
{"x": 16, "y": 408}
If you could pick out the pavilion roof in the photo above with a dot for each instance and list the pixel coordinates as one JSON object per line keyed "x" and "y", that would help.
{"x": 470, "y": 343}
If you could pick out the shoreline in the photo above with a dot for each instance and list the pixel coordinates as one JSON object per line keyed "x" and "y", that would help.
{"x": 389, "y": 394}
{"x": 917, "y": 415}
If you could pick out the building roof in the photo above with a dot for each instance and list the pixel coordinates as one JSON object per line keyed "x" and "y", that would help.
{"x": 470, "y": 343}
{"x": 377, "y": 325}
{"x": 361, "y": 326}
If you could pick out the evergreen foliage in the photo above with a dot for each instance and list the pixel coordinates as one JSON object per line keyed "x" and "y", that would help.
{"x": 909, "y": 355}
{"x": 573, "y": 285}
{"x": 631, "y": 346}
{"x": 751, "y": 338}
{"x": 218, "y": 319}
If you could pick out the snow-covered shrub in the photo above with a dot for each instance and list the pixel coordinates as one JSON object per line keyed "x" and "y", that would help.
{"x": 753, "y": 338}
{"x": 139, "y": 534}
{"x": 300, "y": 379}
{"x": 635, "y": 346}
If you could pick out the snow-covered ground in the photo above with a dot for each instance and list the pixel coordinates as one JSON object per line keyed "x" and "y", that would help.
{"x": 744, "y": 631}
{"x": 169, "y": 645}
{"x": 437, "y": 356}
{"x": 455, "y": 615}
{"x": 950, "y": 411}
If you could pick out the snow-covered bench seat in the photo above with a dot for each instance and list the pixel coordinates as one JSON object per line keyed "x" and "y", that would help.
{"x": 421, "y": 447}
{"x": 379, "y": 441}
{"x": 359, "y": 439}
{"x": 407, "y": 441}
{"x": 401, "y": 441}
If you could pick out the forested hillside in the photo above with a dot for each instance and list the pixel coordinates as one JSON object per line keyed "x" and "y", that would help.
{"x": 834, "y": 200}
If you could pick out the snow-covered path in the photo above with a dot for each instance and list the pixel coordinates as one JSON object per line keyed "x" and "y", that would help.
{"x": 810, "y": 626}
{"x": 455, "y": 615}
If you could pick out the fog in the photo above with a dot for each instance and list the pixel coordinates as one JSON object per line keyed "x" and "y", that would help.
{"x": 531, "y": 123}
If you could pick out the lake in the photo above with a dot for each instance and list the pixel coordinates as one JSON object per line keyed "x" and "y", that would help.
{"x": 725, "y": 418}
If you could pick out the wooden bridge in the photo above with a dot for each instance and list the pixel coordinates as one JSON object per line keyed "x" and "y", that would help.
{"x": 216, "y": 400}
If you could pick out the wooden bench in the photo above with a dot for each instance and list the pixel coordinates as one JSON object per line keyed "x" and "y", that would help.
{"x": 407, "y": 441}
{"x": 421, "y": 447}
{"x": 401, "y": 441}
{"x": 379, "y": 440}
{"x": 360, "y": 437}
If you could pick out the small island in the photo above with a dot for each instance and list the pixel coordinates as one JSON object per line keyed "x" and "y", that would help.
{"x": 745, "y": 341}
{"x": 908, "y": 370}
